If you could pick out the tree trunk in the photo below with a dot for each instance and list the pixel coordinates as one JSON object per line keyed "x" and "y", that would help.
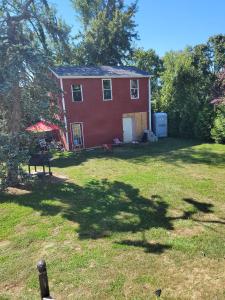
{"x": 14, "y": 130}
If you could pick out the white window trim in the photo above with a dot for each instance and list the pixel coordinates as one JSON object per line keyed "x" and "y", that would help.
{"x": 107, "y": 89}
{"x": 82, "y": 130}
{"x": 133, "y": 88}
{"x": 81, "y": 88}
{"x": 64, "y": 114}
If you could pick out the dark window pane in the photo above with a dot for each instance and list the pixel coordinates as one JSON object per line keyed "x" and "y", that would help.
{"x": 107, "y": 84}
{"x": 134, "y": 84}
{"x": 77, "y": 96}
{"x": 76, "y": 87}
{"x": 134, "y": 93}
{"x": 107, "y": 95}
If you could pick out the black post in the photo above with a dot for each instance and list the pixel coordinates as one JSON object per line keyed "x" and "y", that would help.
{"x": 43, "y": 279}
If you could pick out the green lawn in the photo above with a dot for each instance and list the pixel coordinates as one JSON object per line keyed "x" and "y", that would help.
{"x": 120, "y": 225}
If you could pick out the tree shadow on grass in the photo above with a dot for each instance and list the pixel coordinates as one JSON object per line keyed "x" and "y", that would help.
{"x": 170, "y": 150}
{"x": 100, "y": 208}
{"x": 196, "y": 208}
{"x": 200, "y": 206}
{"x": 149, "y": 247}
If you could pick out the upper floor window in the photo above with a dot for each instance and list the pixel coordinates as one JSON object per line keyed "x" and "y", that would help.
{"x": 77, "y": 92}
{"x": 134, "y": 89}
{"x": 107, "y": 89}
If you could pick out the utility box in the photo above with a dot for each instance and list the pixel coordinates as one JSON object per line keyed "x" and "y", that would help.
{"x": 160, "y": 124}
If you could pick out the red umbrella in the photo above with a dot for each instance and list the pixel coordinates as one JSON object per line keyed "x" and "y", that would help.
{"x": 42, "y": 126}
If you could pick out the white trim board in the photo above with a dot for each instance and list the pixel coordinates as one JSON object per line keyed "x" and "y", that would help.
{"x": 64, "y": 112}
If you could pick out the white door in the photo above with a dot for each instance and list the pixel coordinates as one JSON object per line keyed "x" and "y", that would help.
{"x": 127, "y": 130}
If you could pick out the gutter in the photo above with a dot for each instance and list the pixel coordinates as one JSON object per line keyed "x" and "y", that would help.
{"x": 149, "y": 105}
{"x": 64, "y": 112}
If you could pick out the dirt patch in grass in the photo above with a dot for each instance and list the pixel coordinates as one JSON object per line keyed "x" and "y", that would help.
{"x": 204, "y": 276}
{"x": 57, "y": 179}
{"x": 4, "y": 244}
{"x": 22, "y": 228}
{"x": 27, "y": 189}
{"x": 47, "y": 249}
{"x": 11, "y": 289}
{"x": 18, "y": 191}
{"x": 188, "y": 232}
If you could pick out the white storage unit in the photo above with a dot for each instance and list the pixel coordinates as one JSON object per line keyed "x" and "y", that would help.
{"x": 160, "y": 124}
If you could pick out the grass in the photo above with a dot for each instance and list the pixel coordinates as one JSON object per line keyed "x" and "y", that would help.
{"x": 120, "y": 225}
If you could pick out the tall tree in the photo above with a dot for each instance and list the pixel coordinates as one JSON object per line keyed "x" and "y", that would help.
{"x": 205, "y": 78}
{"x": 217, "y": 47}
{"x": 108, "y": 31}
{"x": 149, "y": 61}
{"x": 179, "y": 93}
{"x": 30, "y": 40}
{"x": 190, "y": 81}
{"x": 218, "y": 129}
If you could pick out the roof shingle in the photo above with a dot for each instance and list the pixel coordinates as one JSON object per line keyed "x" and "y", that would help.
{"x": 99, "y": 71}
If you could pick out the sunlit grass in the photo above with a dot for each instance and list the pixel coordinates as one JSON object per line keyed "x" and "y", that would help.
{"x": 119, "y": 225}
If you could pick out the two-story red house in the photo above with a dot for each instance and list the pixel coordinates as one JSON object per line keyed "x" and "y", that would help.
{"x": 102, "y": 103}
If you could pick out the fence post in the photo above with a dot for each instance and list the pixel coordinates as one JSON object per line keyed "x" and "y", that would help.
{"x": 43, "y": 279}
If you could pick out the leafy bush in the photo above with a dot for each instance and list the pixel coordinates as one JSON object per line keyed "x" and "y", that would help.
{"x": 204, "y": 123}
{"x": 13, "y": 154}
{"x": 218, "y": 130}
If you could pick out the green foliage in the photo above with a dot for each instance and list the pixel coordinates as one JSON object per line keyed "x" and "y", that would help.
{"x": 13, "y": 154}
{"x": 218, "y": 130}
{"x": 189, "y": 82}
{"x": 178, "y": 94}
{"x": 108, "y": 32}
{"x": 149, "y": 61}
{"x": 88, "y": 9}
{"x": 204, "y": 123}
{"x": 217, "y": 45}
{"x": 31, "y": 41}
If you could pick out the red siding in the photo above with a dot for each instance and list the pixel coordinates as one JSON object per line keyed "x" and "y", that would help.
{"x": 102, "y": 120}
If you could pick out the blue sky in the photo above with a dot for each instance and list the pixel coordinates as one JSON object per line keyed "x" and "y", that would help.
{"x": 167, "y": 24}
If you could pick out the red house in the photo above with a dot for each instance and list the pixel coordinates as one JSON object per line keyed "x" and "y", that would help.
{"x": 99, "y": 104}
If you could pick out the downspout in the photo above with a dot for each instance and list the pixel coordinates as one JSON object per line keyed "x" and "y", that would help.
{"x": 149, "y": 105}
{"x": 64, "y": 112}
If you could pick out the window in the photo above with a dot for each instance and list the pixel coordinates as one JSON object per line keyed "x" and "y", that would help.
{"x": 134, "y": 89}
{"x": 77, "y": 92}
{"x": 107, "y": 89}
{"x": 77, "y": 131}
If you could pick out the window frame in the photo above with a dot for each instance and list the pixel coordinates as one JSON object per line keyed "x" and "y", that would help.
{"x": 81, "y": 89}
{"x": 81, "y": 124}
{"x": 137, "y": 88}
{"x": 103, "y": 89}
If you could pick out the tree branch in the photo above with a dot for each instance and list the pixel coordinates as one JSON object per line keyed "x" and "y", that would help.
{"x": 24, "y": 15}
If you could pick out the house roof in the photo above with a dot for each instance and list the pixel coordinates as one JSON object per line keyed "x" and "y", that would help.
{"x": 99, "y": 71}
